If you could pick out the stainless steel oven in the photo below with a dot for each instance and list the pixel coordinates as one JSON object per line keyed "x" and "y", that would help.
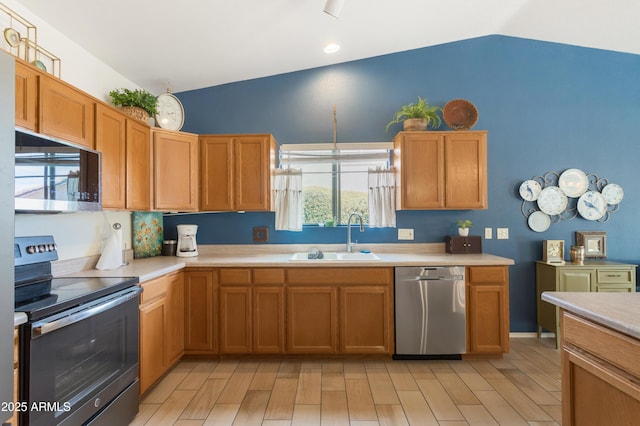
{"x": 79, "y": 349}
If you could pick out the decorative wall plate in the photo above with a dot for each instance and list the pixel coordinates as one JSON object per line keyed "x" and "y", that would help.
{"x": 592, "y": 205}
{"x": 573, "y": 182}
{"x": 539, "y": 221}
{"x": 612, "y": 193}
{"x": 530, "y": 190}
{"x": 552, "y": 200}
{"x": 12, "y": 37}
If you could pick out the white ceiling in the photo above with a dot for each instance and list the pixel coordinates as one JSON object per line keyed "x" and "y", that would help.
{"x": 191, "y": 44}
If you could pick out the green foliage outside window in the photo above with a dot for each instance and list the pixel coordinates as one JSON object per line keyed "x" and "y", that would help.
{"x": 318, "y": 209}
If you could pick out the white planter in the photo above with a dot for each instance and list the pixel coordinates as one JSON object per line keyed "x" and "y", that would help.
{"x": 463, "y": 232}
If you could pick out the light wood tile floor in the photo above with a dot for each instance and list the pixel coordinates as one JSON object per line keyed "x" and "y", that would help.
{"x": 521, "y": 389}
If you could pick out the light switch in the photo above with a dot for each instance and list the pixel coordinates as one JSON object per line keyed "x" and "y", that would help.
{"x": 488, "y": 233}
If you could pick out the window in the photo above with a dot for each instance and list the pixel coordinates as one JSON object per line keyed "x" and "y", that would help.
{"x": 334, "y": 178}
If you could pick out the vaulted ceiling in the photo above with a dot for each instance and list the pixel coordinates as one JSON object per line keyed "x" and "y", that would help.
{"x": 191, "y": 44}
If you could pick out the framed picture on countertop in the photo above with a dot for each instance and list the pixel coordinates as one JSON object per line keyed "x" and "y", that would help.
{"x": 594, "y": 242}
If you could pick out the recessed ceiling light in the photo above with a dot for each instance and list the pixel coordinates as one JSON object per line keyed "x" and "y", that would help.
{"x": 331, "y": 48}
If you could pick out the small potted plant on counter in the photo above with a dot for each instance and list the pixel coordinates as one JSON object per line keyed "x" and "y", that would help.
{"x": 417, "y": 116}
{"x": 463, "y": 227}
{"x": 137, "y": 103}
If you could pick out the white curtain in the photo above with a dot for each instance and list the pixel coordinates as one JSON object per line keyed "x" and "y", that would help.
{"x": 382, "y": 198}
{"x": 287, "y": 194}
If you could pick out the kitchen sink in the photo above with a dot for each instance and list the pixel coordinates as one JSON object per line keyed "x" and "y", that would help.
{"x": 335, "y": 256}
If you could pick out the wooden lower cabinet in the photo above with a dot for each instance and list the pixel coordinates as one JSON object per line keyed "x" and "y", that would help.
{"x": 303, "y": 311}
{"x": 365, "y": 319}
{"x": 267, "y": 328}
{"x": 312, "y": 319}
{"x": 487, "y": 310}
{"x": 600, "y": 374}
{"x": 235, "y": 319}
{"x": 200, "y": 311}
{"x": 252, "y": 310}
{"x": 161, "y": 327}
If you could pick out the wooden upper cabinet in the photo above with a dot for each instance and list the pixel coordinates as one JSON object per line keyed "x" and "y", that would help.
{"x": 175, "y": 171}
{"x": 254, "y": 160}
{"x": 138, "y": 153}
{"x": 236, "y": 172}
{"x": 419, "y": 161}
{"x": 111, "y": 142}
{"x": 216, "y": 173}
{"x": 65, "y": 112}
{"x": 466, "y": 170}
{"x": 26, "y": 96}
{"x": 441, "y": 170}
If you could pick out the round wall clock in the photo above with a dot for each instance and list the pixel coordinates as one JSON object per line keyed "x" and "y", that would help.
{"x": 170, "y": 113}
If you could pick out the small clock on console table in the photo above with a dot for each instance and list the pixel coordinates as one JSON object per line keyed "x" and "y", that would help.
{"x": 553, "y": 252}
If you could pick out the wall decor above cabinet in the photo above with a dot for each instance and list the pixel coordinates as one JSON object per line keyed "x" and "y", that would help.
{"x": 556, "y": 196}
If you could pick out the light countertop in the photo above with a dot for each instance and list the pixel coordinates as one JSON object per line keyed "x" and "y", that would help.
{"x": 618, "y": 311}
{"x": 153, "y": 267}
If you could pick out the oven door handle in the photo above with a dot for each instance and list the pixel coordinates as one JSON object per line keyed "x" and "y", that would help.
{"x": 47, "y": 327}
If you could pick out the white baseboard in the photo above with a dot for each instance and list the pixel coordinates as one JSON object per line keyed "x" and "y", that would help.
{"x": 521, "y": 334}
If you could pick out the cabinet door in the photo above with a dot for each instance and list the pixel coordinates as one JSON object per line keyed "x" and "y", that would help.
{"x": 216, "y": 177}
{"x": 175, "y": 171}
{"x": 65, "y": 112}
{"x": 199, "y": 311}
{"x": 26, "y": 96}
{"x": 175, "y": 318}
{"x": 312, "y": 319}
{"x": 268, "y": 320}
{"x": 578, "y": 280}
{"x": 420, "y": 170}
{"x": 235, "y": 319}
{"x": 111, "y": 142}
{"x": 153, "y": 317}
{"x": 365, "y": 322}
{"x": 488, "y": 309}
{"x": 466, "y": 170}
{"x": 138, "y": 166}
{"x": 253, "y": 160}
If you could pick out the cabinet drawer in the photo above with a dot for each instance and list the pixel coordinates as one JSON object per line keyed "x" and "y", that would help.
{"x": 617, "y": 348}
{"x": 154, "y": 289}
{"x": 269, "y": 276}
{"x": 614, "y": 276}
{"x": 493, "y": 274}
{"x": 235, "y": 276}
{"x": 368, "y": 276}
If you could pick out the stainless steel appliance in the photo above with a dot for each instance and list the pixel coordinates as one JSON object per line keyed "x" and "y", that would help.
{"x": 79, "y": 348}
{"x": 7, "y": 128}
{"x": 54, "y": 176}
{"x": 187, "y": 246}
{"x": 430, "y": 319}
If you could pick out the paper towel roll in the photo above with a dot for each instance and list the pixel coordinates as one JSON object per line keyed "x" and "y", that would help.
{"x": 111, "y": 257}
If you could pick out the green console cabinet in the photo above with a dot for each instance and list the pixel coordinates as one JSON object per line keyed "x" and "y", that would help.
{"x": 590, "y": 276}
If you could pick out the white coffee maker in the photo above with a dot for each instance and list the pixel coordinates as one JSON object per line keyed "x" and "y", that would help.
{"x": 187, "y": 241}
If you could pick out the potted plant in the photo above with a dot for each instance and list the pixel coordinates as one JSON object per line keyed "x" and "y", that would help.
{"x": 137, "y": 103}
{"x": 417, "y": 116}
{"x": 463, "y": 227}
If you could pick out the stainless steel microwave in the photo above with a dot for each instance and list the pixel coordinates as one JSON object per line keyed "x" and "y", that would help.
{"x": 53, "y": 176}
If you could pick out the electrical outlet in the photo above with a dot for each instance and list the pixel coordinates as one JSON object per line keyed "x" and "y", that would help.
{"x": 503, "y": 233}
{"x": 488, "y": 233}
{"x": 405, "y": 234}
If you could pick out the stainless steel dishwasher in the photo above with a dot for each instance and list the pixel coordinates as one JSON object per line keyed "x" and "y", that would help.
{"x": 430, "y": 319}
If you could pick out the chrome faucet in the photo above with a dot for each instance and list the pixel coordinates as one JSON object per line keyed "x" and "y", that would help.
{"x": 349, "y": 243}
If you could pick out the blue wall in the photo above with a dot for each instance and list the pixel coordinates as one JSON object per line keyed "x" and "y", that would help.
{"x": 547, "y": 107}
